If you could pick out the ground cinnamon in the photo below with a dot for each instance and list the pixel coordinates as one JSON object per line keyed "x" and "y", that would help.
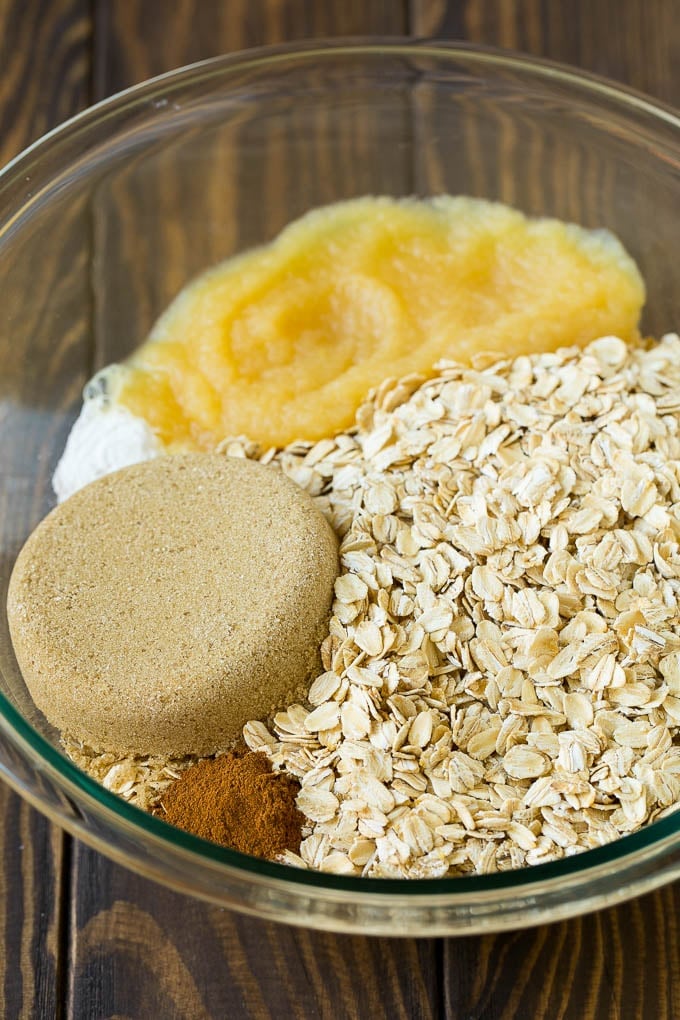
{"x": 238, "y": 801}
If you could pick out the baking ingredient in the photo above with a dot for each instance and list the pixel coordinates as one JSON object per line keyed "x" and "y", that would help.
{"x": 284, "y": 342}
{"x": 160, "y": 607}
{"x": 238, "y": 801}
{"x": 105, "y": 437}
{"x": 501, "y": 682}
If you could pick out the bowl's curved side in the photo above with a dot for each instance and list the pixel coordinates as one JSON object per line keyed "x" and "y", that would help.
{"x": 105, "y": 218}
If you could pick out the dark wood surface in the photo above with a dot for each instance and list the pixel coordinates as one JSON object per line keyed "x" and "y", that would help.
{"x": 82, "y": 937}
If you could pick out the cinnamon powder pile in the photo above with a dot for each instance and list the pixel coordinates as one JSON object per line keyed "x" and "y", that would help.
{"x": 238, "y": 801}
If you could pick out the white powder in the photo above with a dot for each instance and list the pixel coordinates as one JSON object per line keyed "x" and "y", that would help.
{"x": 104, "y": 438}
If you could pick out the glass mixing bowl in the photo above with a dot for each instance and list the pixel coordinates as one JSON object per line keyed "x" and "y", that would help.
{"x": 102, "y": 222}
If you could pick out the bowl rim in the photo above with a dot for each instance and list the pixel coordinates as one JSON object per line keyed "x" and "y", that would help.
{"x": 661, "y": 834}
{"x": 552, "y": 70}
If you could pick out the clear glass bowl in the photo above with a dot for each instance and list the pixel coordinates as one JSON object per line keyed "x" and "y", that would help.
{"x": 101, "y": 223}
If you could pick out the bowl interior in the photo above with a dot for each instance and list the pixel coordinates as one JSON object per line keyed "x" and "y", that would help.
{"x": 107, "y": 219}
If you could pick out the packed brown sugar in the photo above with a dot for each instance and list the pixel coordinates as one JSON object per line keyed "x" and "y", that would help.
{"x": 163, "y": 605}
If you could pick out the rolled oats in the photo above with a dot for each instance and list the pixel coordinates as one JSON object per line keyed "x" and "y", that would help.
{"x": 501, "y": 675}
{"x": 508, "y": 610}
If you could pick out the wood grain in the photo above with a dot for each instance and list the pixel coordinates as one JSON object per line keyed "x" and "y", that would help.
{"x": 44, "y": 78}
{"x": 44, "y": 68}
{"x": 634, "y": 41}
{"x": 216, "y": 964}
{"x": 620, "y": 964}
{"x": 137, "y": 39}
{"x": 32, "y": 975}
{"x": 127, "y": 947}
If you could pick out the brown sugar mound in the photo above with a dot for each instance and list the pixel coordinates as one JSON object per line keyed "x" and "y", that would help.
{"x": 238, "y": 801}
{"x": 161, "y": 607}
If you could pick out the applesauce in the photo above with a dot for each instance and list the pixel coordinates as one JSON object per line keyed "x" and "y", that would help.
{"x": 285, "y": 341}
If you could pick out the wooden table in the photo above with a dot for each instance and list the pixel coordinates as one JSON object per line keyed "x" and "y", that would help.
{"x": 81, "y": 936}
